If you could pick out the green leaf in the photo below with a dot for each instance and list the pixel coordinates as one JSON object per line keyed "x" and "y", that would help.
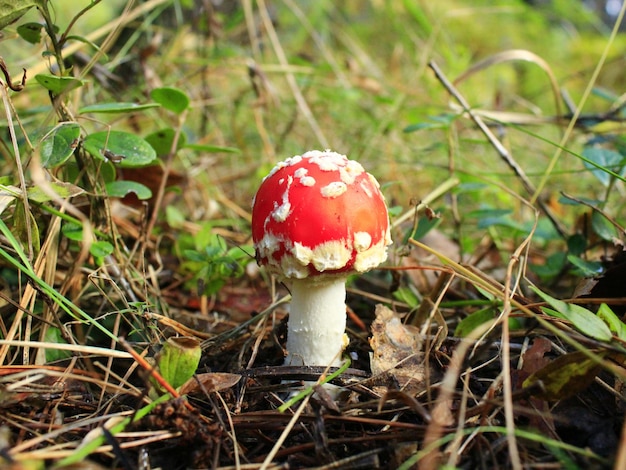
{"x": 105, "y": 171}
{"x": 74, "y": 37}
{"x": 577, "y": 244}
{"x": 30, "y": 32}
{"x": 53, "y": 335}
{"x": 441, "y": 121}
{"x": 100, "y": 249}
{"x": 585, "y": 268}
{"x": 110, "y": 108}
{"x": 8, "y": 194}
{"x": 12, "y": 10}
{"x": 58, "y": 85}
{"x": 489, "y": 213}
{"x": 212, "y": 148}
{"x": 583, "y": 320}
{"x": 59, "y": 144}
{"x": 61, "y": 189}
{"x": 486, "y": 294}
{"x": 123, "y": 148}
{"x": 36, "y": 193}
{"x": 603, "y": 227}
{"x": 600, "y": 160}
{"x": 474, "y": 320}
{"x": 614, "y": 323}
{"x": 123, "y": 188}
{"x": 488, "y": 217}
{"x": 72, "y": 231}
{"x": 425, "y": 224}
{"x": 163, "y": 139}
{"x": 567, "y": 375}
{"x": 171, "y": 98}
{"x": 174, "y": 217}
{"x": 578, "y": 201}
{"x": 179, "y": 359}
{"x": 406, "y": 295}
{"x": 193, "y": 255}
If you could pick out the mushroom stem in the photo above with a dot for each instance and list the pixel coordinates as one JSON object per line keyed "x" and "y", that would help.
{"x": 317, "y": 322}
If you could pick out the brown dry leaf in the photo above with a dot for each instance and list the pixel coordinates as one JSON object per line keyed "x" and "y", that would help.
{"x": 567, "y": 375}
{"x": 210, "y": 382}
{"x": 534, "y": 357}
{"x": 178, "y": 327}
{"x": 397, "y": 350}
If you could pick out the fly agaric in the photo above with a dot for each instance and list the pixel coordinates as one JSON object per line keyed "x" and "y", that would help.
{"x": 316, "y": 219}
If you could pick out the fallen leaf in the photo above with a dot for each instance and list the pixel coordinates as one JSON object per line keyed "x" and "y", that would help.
{"x": 397, "y": 350}
{"x": 209, "y": 382}
{"x": 567, "y": 375}
{"x": 534, "y": 357}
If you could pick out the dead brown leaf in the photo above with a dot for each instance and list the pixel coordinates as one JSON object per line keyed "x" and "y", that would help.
{"x": 567, "y": 375}
{"x": 397, "y": 350}
{"x": 210, "y": 382}
{"x": 534, "y": 357}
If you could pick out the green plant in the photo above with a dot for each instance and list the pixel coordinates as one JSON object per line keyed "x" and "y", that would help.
{"x": 60, "y": 153}
{"x": 209, "y": 260}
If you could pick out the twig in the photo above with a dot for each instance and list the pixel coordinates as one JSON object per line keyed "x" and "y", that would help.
{"x": 431, "y": 458}
{"x": 234, "y": 332}
{"x": 435, "y": 194}
{"x": 501, "y": 149}
{"x": 507, "y": 385}
{"x": 5, "y": 70}
{"x": 76, "y": 348}
{"x": 153, "y": 372}
{"x": 595, "y": 208}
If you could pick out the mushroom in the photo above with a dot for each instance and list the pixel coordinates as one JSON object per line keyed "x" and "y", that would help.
{"x": 316, "y": 219}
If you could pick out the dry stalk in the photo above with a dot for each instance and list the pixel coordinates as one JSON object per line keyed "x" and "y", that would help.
{"x": 434, "y": 431}
{"x": 498, "y": 146}
{"x": 291, "y": 79}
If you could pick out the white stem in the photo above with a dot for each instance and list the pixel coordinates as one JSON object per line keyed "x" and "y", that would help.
{"x": 317, "y": 322}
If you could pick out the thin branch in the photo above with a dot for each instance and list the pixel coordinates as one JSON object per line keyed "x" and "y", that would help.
{"x": 501, "y": 149}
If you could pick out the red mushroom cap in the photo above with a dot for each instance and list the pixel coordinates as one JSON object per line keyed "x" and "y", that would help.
{"x": 319, "y": 214}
